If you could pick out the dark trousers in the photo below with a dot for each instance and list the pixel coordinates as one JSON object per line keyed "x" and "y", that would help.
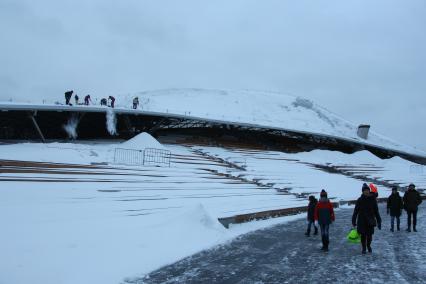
{"x": 310, "y": 223}
{"x": 325, "y": 231}
{"x": 325, "y": 235}
{"x": 366, "y": 240}
{"x": 414, "y": 213}
{"x": 393, "y": 222}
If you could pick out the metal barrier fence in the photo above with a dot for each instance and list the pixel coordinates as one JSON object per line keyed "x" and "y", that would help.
{"x": 149, "y": 156}
{"x": 154, "y": 156}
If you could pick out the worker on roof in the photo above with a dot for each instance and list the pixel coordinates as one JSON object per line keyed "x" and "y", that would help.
{"x": 112, "y": 101}
{"x": 87, "y": 100}
{"x": 135, "y": 102}
{"x": 68, "y": 96}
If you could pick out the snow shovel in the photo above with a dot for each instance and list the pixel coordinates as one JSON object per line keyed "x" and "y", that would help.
{"x": 353, "y": 237}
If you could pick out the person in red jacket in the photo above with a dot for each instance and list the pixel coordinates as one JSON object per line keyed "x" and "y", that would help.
{"x": 324, "y": 216}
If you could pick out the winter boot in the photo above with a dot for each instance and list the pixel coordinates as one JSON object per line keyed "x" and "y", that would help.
{"x": 391, "y": 229}
{"x": 397, "y": 228}
{"x": 364, "y": 246}
{"x": 408, "y": 230}
{"x": 323, "y": 244}
{"x": 316, "y": 231}
{"x": 326, "y": 242}
{"x": 414, "y": 229}
{"x": 369, "y": 249}
{"x": 307, "y": 234}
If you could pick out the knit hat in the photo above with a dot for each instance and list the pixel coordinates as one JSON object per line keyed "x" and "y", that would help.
{"x": 412, "y": 186}
{"x": 365, "y": 187}
{"x": 323, "y": 193}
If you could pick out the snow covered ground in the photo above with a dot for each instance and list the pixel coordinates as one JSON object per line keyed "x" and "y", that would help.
{"x": 80, "y": 223}
{"x": 300, "y": 172}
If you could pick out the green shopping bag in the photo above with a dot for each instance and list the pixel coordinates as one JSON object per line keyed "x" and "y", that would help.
{"x": 354, "y": 237}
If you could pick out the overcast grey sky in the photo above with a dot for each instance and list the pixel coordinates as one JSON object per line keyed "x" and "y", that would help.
{"x": 362, "y": 59}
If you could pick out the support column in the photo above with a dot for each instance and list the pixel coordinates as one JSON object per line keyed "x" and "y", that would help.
{"x": 31, "y": 115}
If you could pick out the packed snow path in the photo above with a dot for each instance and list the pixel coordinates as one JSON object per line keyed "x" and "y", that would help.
{"x": 282, "y": 254}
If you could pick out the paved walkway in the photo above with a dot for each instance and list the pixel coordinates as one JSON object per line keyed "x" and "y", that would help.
{"x": 282, "y": 254}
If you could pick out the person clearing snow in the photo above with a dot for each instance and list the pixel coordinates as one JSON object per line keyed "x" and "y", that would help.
{"x": 135, "y": 103}
{"x": 112, "y": 101}
{"x": 68, "y": 96}
{"x": 87, "y": 100}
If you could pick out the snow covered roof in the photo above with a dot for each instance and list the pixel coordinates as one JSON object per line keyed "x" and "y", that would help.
{"x": 268, "y": 109}
{"x": 254, "y": 108}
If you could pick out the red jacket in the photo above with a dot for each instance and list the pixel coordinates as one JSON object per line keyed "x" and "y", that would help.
{"x": 324, "y": 212}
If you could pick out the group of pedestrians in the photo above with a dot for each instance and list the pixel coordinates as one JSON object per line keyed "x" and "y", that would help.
{"x": 366, "y": 214}
{"x": 110, "y": 101}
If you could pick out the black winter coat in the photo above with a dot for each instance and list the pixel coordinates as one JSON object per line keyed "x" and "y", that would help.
{"x": 412, "y": 200}
{"x": 395, "y": 204}
{"x": 366, "y": 212}
{"x": 311, "y": 209}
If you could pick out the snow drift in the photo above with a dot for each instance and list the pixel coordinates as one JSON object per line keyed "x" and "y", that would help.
{"x": 142, "y": 141}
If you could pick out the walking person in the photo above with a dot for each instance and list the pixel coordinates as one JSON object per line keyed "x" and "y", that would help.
{"x": 324, "y": 215}
{"x": 412, "y": 201}
{"x": 365, "y": 217}
{"x": 311, "y": 212}
{"x": 394, "y": 208}
{"x": 76, "y": 99}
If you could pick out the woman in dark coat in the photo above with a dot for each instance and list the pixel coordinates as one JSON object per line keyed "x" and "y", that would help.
{"x": 366, "y": 216}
